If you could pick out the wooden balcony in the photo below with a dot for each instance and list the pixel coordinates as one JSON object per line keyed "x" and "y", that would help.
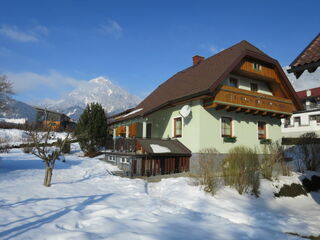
{"x": 239, "y": 100}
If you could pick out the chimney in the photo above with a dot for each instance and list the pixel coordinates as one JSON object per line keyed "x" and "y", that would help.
{"x": 197, "y": 59}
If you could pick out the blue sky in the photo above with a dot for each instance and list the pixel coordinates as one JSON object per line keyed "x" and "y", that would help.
{"x": 48, "y": 47}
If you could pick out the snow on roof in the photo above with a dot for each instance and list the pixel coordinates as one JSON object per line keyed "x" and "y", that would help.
{"x": 159, "y": 149}
{"x": 133, "y": 112}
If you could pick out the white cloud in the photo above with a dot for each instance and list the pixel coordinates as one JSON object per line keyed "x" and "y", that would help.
{"x": 32, "y": 34}
{"x": 111, "y": 28}
{"x": 26, "y": 81}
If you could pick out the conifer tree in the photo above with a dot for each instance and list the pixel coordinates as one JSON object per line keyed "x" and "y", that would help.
{"x": 91, "y": 130}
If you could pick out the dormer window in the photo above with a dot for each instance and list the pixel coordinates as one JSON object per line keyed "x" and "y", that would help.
{"x": 257, "y": 67}
{"x": 233, "y": 82}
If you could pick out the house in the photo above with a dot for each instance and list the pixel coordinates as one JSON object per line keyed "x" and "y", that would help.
{"x": 236, "y": 97}
{"x": 58, "y": 121}
{"x": 307, "y": 120}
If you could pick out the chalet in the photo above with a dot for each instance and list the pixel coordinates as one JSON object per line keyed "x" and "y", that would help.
{"x": 236, "y": 97}
{"x": 308, "y": 119}
{"x": 58, "y": 121}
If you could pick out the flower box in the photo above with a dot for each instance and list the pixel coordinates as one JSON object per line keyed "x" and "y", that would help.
{"x": 265, "y": 141}
{"x": 230, "y": 139}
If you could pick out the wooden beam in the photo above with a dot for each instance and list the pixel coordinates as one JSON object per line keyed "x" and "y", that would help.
{"x": 239, "y": 109}
{"x": 231, "y": 109}
{"x": 273, "y": 115}
{"x": 264, "y": 113}
{"x": 256, "y": 112}
{"x": 247, "y": 111}
{"x": 212, "y": 105}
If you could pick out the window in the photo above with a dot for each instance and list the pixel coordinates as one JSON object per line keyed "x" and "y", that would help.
{"x": 233, "y": 82}
{"x": 262, "y": 130}
{"x": 149, "y": 127}
{"x": 177, "y": 127}
{"x": 254, "y": 87}
{"x": 226, "y": 127}
{"x": 257, "y": 67}
{"x": 297, "y": 120}
{"x": 314, "y": 118}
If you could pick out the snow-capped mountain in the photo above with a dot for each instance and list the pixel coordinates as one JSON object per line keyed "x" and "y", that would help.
{"x": 305, "y": 81}
{"x": 101, "y": 90}
{"x": 18, "y": 109}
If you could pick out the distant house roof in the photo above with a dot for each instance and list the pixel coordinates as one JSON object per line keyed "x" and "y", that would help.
{"x": 202, "y": 78}
{"x": 314, "y": 92}
{"x": 164, "y": 147}
{"x": 50, "y": 111}
{"x": 308, "y": 59}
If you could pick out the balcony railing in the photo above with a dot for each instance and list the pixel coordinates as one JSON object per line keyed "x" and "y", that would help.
{"x": 244, "y": 99}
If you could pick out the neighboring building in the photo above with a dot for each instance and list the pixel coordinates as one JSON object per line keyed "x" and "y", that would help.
{"x": 308, "y": 59}
{"x": 236, "y": 97}
{"x": 58, "y": 121}
{"x": 307, "y": 120}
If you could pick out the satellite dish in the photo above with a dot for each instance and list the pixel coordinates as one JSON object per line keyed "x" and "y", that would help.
{"x": 185, "y": 111}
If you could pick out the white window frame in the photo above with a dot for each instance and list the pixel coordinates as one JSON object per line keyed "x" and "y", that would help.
{"x": 172, "y": 127}
{"x": 267, "y": 132}
{"x": 232, "y": 126}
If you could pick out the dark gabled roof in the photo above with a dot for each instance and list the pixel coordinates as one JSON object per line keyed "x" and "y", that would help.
{"x": 315, "y": 92}
{"x": 203, "y": 78}
{"x": 308, "y": 59}
{"x": 174, "y": 146}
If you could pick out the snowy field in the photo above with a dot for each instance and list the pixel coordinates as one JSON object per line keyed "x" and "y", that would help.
{"x": 16, "y": 136}
{"x": 86, "y": 202}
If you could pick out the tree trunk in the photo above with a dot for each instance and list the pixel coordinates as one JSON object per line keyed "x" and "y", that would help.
{"x": 48, "y": 177}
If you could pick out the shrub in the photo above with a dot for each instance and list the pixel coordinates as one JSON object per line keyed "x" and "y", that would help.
{"x": 241, "y": 170}
{"x": 292, "y": 190}
{"x": 27, "y": 149}
{"x": 4, "y": 146}
{"x": 310, "y": 151}
{"x": 66, "y": 148}
{"x": 91, "y": 130}
{"x": 312, "y": 185}
{"x": 273, "y": 162}
{"x": 208, "y": 170}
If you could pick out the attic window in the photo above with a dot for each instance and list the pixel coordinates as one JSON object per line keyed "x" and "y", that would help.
{"x": 257, "y": 67}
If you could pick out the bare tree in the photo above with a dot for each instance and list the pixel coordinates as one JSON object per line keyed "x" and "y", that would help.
{"x": 49, "y": 153}
{"x": 5, "y": 90}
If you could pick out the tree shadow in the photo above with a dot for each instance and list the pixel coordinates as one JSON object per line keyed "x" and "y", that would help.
{"x": 46, "y": 217}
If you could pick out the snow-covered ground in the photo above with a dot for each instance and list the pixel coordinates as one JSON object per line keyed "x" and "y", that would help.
{"x": 86, "y": 202}
{"x": 17, "y": 136}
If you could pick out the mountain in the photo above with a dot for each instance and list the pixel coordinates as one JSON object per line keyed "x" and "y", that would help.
{"x": 17, "y": 109}
{"x": 101, "y": 90}
{"x": 305, "y": 81}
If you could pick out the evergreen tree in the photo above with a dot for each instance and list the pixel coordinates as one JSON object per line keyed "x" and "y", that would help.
{"x": 91, "y": 130}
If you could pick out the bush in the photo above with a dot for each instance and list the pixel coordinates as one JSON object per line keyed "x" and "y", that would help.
{"x": 208, "y": 170}
{"x": 91, "y": 130}
{"x": 27, "y": 149}
{"x": 4, "y": 146}
{"x": 310, "y": 151}
{"x": 292, "y": 190}
{"x": 241, "y": 170}
{"x": 66, "y": 148}
{"x": 312, "y": 185}
{"x": 273, "y": 162}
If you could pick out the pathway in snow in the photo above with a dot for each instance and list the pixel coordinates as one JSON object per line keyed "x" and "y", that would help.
{"x": 85, "y": 202}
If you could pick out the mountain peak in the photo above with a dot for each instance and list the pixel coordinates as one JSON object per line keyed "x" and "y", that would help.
{"x": 100, "y": 80}
{"x": 100, "y": 90}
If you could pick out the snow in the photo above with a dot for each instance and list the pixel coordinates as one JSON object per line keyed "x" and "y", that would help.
{"x": 14, "y": 120}
{"x": 86, "y": 202}
{"x": 159, "y": 149}
{"x": 133, "y": 112}
{"x": 16, "y": 137}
